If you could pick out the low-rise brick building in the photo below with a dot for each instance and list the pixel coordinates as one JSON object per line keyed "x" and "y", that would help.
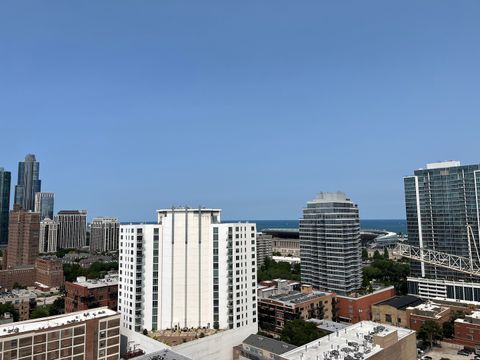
{"x": 353, "y": 309}
{"x": 467, "y": 330}
{"x": 22, "y": 300}
{"x": 427, "y": 311}
{"x": 394, "y": 311}
{"x": 275, "y": 311}
{"x": 49, "y": 273}
{"x": 87, "y": 294}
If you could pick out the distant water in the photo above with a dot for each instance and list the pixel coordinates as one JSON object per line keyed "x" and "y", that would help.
{"x": 395, "y": 225}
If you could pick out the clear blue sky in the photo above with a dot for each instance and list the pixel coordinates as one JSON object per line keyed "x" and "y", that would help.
{"x": 251, "y": 106}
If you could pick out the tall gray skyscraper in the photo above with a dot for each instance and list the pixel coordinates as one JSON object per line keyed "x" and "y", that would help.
{"x": 442, "y": 206}
{"x": 44, "y": 204}
{"x": 28, "y": 183}
{"x": 5, "y": 179}
{"x": 330, "y": 246}
{"x": 104, "y": 234}
{"x": 72, "y": 228}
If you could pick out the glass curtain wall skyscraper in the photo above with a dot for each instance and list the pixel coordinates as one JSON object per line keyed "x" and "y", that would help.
{"x": 330, "y": 246}
{"x": 5, "y": 179}
{"x": 44, "y": 204}
{"x": 28, "y": 183}
{"x": 442, "y": 207}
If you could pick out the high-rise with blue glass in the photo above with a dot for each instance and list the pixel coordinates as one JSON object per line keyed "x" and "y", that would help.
{"x": 28, "y": 183}
{"x": 5, "y": 179}
{"x": 442, "y": 207}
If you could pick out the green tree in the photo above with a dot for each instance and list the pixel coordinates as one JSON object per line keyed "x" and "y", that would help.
{"x": 299, "y": 332}
{"x": 364, "y": 254}
{"x": 9, "y": 308}
{"x": 16, "y": 285}
{"x": 430, "y": 331}
{"x": 386, "y": 256}
{"x": 39, "y": 312}
{"x": 278, "y": 270}
{"x": 447, "y": 329}
{"x": 376, "y": 255}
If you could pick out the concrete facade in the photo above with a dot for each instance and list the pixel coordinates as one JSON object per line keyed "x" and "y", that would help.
{"x": 188, "y": 270}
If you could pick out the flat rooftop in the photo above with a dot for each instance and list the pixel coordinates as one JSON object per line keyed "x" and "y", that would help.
{"x": 327, "y": 325}
{"x": 165, "y": 354}
{"x": 55, "y": 321}
{"x": 402, "y": 302}
{"x": 270, "y": 345}
{"x": 108, "y": 280}
{"x": 355, "y": 341}
{"x": 294, "y": 298}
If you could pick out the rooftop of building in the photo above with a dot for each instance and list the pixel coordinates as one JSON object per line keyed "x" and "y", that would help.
{"x": 401, "y": 302}
{"x": 17, "y": 294}
{"x": 72, "y": 212}
{"x": 297, "y": 297}
{"x": 55, "y": 321}
{"x": 378, "y": 288}
{"x": 268, "y": 344}
{"x": 327, "y": 325}
{"x": 442, "y": 164}
{"x": 165, "y": 354}
{"x": 325, "y": 197}
{"x": 355, "y": 341}
{"x": 108, "y": 280}
{"x": 429, "y": 309}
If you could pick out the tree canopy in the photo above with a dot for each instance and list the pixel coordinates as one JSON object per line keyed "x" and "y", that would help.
{"x": 430, "y": 331}
{"x": 278, "y": 270}
{"x": 388, "y": 272}
{"x": 299, "y": 332}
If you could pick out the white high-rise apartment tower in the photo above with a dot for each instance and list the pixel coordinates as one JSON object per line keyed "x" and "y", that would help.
{"x": 188, "y": 270}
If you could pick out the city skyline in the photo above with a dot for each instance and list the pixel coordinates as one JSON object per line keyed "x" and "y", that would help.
{"x": 262, "y": 106}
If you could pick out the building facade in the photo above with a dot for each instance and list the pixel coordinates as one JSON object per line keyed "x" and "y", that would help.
{"x": 5, "y": 180}
{"x": 48, "y": 273}
{"x": 28, "y": 183}
{"x": 84, "y": 335}
{"x": 48, "y": 236}
{"x": 86, "y": 294}
{"x": 188, "y": 270}
{"x": 467, "y": 330}
{"x": 23, "y": 238}
{"x": 442, "y": 207}
{"x": 104, "y": 234}
{"x": 365, "y": 340}
{"x": 264, "y": 248}
{"x": 330, "y": 246}
{"x": 44, "y": 202}
{"x": 353, "y": 309}
{"x": 394, "y": 311}
{"x": 276, "y": 311}
{"x": 72, "y": 229}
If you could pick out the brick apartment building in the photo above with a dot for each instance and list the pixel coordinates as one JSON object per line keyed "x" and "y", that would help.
{"x": 394, "y": 311}
{"x": 89, "y": 335}
{"x": 88, "y": 294}
{"x": 275, "y": 311}
{"x": 49, "y": 272}
{"x": 427, "y": 311}
{"x": 467, "y": 330}
{"x": 353, "y": 309}
{"x": 46, "y": 273}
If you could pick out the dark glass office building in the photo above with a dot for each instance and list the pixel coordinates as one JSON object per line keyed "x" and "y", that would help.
{"x": 330, "y": 246}
{"x": 5, "y": 180}
{"x": 28, "y": 183}
{"x": 442, "y": 206}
